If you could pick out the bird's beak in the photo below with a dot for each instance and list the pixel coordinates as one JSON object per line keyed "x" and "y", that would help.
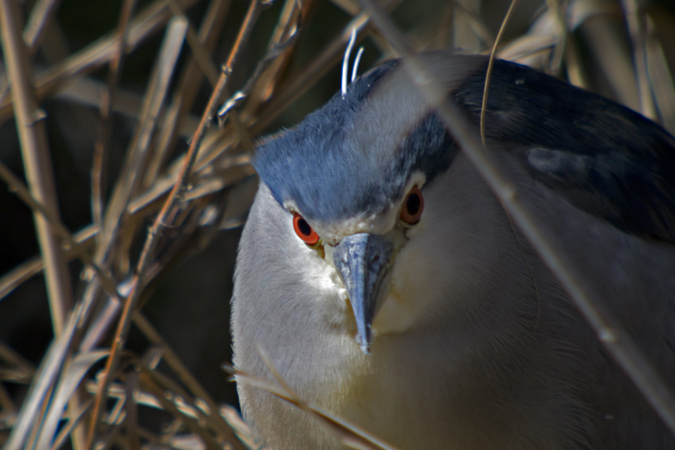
{"x": 363, "y": 261}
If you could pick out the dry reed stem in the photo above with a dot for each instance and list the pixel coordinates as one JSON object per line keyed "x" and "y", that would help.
{"x": 185, "y": 95}
{"x": 99, "y": 53}
{"x": 37, "y": 22}
{"x": 105, "y": 111}
{"x": 59, "y": 230}
{"x": 32, "y": 134}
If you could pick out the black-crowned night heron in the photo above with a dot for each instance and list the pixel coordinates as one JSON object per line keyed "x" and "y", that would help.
{"x": 389, "y": 287}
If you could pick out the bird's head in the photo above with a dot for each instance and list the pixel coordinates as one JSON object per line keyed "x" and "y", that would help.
{"x": 353, "y": 176}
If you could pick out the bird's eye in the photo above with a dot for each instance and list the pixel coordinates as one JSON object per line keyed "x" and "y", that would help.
{"x": 413, "y": 205}
{"x": 304, "y": 231}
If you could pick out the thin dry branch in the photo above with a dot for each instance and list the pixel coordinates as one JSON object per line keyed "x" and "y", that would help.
{"x": 162, "y": 219}
{"x": 34, "y": 148}
{"x": 106, "y": 107}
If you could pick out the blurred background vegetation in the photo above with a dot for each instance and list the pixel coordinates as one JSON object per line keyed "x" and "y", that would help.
{"x": 95, "y": 136}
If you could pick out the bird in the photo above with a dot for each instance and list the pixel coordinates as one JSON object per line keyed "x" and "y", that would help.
{"x": 387, "y": 285}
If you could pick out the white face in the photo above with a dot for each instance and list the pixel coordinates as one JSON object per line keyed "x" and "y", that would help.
{"x": 320, "y": 241}
{"x": 438, "y": 251}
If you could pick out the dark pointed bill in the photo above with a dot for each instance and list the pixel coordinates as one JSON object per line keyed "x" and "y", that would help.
{"x": 363, "y": 261}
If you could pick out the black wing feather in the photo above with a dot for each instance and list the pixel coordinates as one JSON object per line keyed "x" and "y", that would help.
{"x": 602, "y": 157}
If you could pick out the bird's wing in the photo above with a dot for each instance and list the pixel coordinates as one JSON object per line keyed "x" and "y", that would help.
{"x": 603, "y": 158}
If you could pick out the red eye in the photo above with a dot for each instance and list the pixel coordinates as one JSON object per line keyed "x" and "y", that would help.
{"x": 413, "y": 205}
{"x": 303, "y": 230}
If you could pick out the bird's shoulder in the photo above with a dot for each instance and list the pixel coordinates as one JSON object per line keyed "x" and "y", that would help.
{"x": 602, "y": 157}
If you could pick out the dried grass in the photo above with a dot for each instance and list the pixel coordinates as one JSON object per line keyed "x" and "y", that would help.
{"x": 89, "y": 388}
